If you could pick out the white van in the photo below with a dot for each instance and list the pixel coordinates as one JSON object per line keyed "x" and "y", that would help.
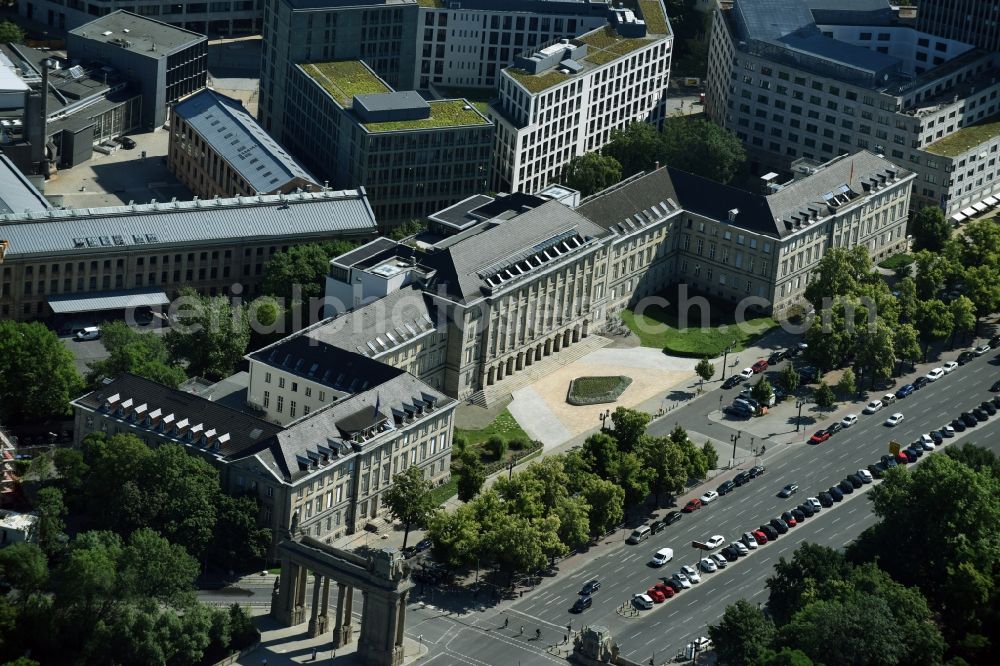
{"x": 661, "y": 557}
{"x": 639, "y": 534}
{"x": 89, "y": 333}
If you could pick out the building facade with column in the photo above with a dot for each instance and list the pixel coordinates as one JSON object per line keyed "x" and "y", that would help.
{"x": 324, "y": 472}
{"x": 971, "y": 21}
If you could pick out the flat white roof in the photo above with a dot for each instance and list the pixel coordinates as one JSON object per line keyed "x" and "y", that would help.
{"x": 10, "y": 81}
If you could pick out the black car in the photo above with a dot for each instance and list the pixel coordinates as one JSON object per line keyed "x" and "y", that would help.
{"x": 855, "y": 480}
{"x": 965, "y": 357}
{"x": 806, "y": 509}
{"x": 996, "y": 401}
{"x": 731, "y": 381}
{"x": 737, "y": 411}
{"x": 836, "y": 493}
{"x": 798, "y": 514}
{"x": 725, "y": 487}
{"x": 825, "y": 499}
{"x": 846, "y": 487}
{"x": 969, "y": 420}
{"x": 779, "y": 356}
{"x": 780, "y": 525}
{"x": 936, "y": 436}
{"x": 835, "y": 427}
{"x": 789, "y": 518}
{"x": 769, "y": 532}
{"x": 127, "y": 143}
{"x": 921, "y": 382}
{"x": 741, "y": 478}
{"x": 917, "y": 448}
{"x": 958, "y": 425}
{"x": 756, "y": 471}
{"x": 980, "y": 414}
{"x": 582, "y": 604}
{"x": 911, "y": 454}
{"x": 730, "y": 553}
{"x": 656, "y": 526}
{"x": 422, "y": 545}
{"x": 994, "y": 341}
{"x": 672, "y": 517}
{"x": 590, "y": 587}
{"x": 995, "y": 387}
{"x": 808, "y": 373}
{"x": 988, "y": 406}
{"x": 877, "y": 470}
{"x": 890, "y": 462}
{"x": 672, "y": 584}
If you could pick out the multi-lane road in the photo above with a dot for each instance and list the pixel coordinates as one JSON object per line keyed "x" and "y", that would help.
{"x": 481, "y": 638}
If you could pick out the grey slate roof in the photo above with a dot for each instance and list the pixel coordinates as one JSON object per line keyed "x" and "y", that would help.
{"x": 380, "y": 326}
{"x": 367, "y": 251}
{"x": 146, "y": 36}
{"x": 246, "y": 432}
{"x": 460, "y": 265}
{"x": 232, "y": 132}
{"x": 183, "y": 222}
{"x": 17, "y": 194}
{"x": 103, "y": 301}
{"x": 323, "y": 436}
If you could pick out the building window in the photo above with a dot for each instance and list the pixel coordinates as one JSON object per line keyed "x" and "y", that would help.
{"x": 281, "y": 403}
{"x": 267, "y": 377}
{"x": 267, "y": 399}
{"x": 281, "y": 382}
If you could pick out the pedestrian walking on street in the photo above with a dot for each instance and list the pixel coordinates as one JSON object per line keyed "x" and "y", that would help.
{"x": 522, "y": 631}
{"x": 506, "y": 621}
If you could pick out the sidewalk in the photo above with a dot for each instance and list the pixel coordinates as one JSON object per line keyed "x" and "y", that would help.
{"x": 284, "y": 646}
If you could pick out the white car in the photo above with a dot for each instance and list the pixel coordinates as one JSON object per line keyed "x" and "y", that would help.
{"x": 949, "y": 367}
{"x": 866, "y": 475}
{"x": 89, "y": 333}
{"x": 935, "y": 374}
{"x": 708, "y": 565}
{"x": 803, "y": 346}
{"x": 849, "y": 420}
{"x": 894, "y": 420}
{"x": 642, "y": 601}
{"x": 948, "y": 431}
{"x": 709, "y": 496}
{"x": 740, "y": 547}
{"x": 927, "y": 442}
{"x": 746, "y": 373}
{"x": 691, "y": 573}
{"x": 682, "y": 580}
{"x": 749, "y": 541}
{"x": 720, "y": 561}
{"x": 873, "y": 407}
{"x": 814, "y": 503}
{"x": 715, "y": 541}
{"x": 661, "y": 557}
{"x": 980, "y": 350}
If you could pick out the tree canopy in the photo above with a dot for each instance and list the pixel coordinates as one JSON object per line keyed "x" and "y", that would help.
{"x": 143, "y": 354}
{"x": 930, "y": 229}
{"x": 298, "y": 272}
{"x": 409, "y": 499}
{"x": 211, "y": 334}
{"x": 591, "y": 172}
{"x": 37, "y": 375}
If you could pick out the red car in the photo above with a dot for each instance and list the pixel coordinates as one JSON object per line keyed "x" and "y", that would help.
{"x": 759, "y": 366}
{"x": 693, "y": 505}
{"x": 902, "y": 459}
{"x": 789, "y": 519}
{"x": 656, "y": 595}
{"x": 664, "y": 589}
{"x": 760, "y": 537}
{"x": 819, "y": 437}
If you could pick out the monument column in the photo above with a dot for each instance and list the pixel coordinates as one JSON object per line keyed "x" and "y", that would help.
{"x": 314, "y": 628}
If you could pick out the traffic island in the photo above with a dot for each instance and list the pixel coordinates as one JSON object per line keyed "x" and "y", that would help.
{"x": 597, "y": 390}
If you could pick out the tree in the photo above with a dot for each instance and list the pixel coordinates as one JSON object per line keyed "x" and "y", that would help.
{"x": 788, "y": 379}
{"x": 150, "y": 567}
{"x": 907, "y": 344}
{"x": 406, "y": 229}
{"x": 455, "y": 536}
{"x": 982, "y": 286}
{"x": 11, "y": 33}
{"x": 497, "y": 446}
{"x": 211, "y": 334}
{"x": 297, "y": 274}
{"x": 666, "y": 463}
{"x": 705, "y": 369}
{"x": 601, "y": 450}
{"x": 786, "y": 657}
{"x": 762, "y": 391}
{"x": 471, "y": 476}
{"x": 930, "y": 229}
{"x": 840, "y": 272}
{"x": 702, "y": 148}
{"x": 142, "y": 354}
{"x": 630, "y": 425}
{"x": 591, "y": 172}
{"x": 980, "y": 244}
{"x": 238, "y": 541}
{"x": 711, "y": 455}
{"x": 963, "y": 315}
{"x": 633, "y": 477}
{"x": 847, "y": 386}
{"x": 24, "y": 567}
{"x": 876, "y": 350}
{"x": 695, "y": 461}
{"x": 810, "y": 573}
{"x": 409, "y": 499}
{"x": 975, "y": 458}
{"x": 37, "y": 375}
{"x": 823, "y": 395}
{"x": 636, "y": 148}
{"x": 51, "y": 526}
{"x": 906, "y": 296}
{"x": 743, "y": 635}
{"x": 607, "y": 505}
{"x": 933, "y": 322}
{"x": 933, "y": 272}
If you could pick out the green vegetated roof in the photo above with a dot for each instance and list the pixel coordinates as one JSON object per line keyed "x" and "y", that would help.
{"x": 537, "y": 82}
{"x": 444, "y": 113}
{"x": 966, "y": 138}
{"x": 652, "y": 14}
{"x": 431, "y": 3}
{"x": 345, "y": 78}
{"x": 605, "y": 45}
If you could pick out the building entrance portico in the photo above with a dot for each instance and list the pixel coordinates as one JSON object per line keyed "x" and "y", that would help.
{"x": 382, "y": 579}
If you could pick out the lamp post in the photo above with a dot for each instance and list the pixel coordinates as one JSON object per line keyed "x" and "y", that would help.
{"x": 720, "y": 403}
{"x": 725, "y": 357}
{"x": 798, "y": 420}
{"x": 735, "y": 438}
{"x": 604, "y": 416}
{"x": 510, "y": 468}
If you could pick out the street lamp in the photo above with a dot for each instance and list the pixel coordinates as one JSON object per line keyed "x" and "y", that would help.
{"x": 510, "y": 468}
{"x": 725, "y": 357}
{"x": 604, "y": 416}
{"x": 798, "y": 420}
{"x": 735, "y": 439}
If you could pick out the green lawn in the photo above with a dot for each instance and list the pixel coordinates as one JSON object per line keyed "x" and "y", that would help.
{"x": 445, "y": 491}
{"x": 657, "y": 327}
{"x": 503, "y": 425}
{"x": 896, "y": 261}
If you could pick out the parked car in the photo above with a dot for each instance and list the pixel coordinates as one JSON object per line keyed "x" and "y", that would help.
{"x": 965, "y": 357}
{"x": 715, "y": 541}
{"x": 749, "y": 541}
{"x": 849, "y": 420}
{"x": 725, "y": 487}
{"x": 730, "y": 554}
{"x": 825, "y": 500}
{"x": 798, "y": 515}
{"x": 759, "y": 536}
{"x": 666, "y": 590}
{"x": 691, "y": 574}
{"x": 988, "y": 407}
{"x": 776, "y": 357}
{"x": 789, "y": 490}
{"x": 866, "y": 476}
{"x": 846, "y": 487}
{"x": 692, "y": 505}
{"x": 656, "y": 595}
{"x": 737, "y": 411}
{"x": 855, "y": 480}
{"x": 780, "y": 525}
{"x": 709, "y": 496}
{"x": 808, "y": 374}
{"x": 980, "y": 414}
{"x": 888, "y": 399}
{"x": 935, "y": 374}
{"x": 819, "y": 437}
{"x": 731, "y": 381}
{"x": 968, "y": 419}
{"x": 980, "y": 350}
{"x": 995, "y": 341}
{"x": 949, "y": 367}
{"x": 806, "y": 509}
{"x": 708, "y": 565}
{"x": 936, "y": 436}
{"x": 995, "y": 387}
{"x": 835, "y": 427}
{"x": 894, "y": 420}
{"x": 656, "y": 526}
{"x": 746, "y": 373}
{"x": 873, "y": 407}
{"x": 582, "y": 604}
{"x": 996, "y": 401}
{"x": 789, "y": 519}
{"x": 836, "y": 494}
{"x": 720, "y": 560}
{"x": 769, "y": 532}
{"x": 756, "y": 470}
{"x": 672, "y": 517}
{"x": 814, "y": 502}
{"x": 127, "y": 143}
{"x": 642, "y": 601}
{"x": 947, "y": 431}
{"x": 740, "y": 547}
{"x": 958, "y": 425}
{"x": 905, "y": 390}
{"x": 921, "y": 382}
{"x": 759, "y": 366}
{"x": 89, "y": 333}
{"x": 877, "y": 470}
